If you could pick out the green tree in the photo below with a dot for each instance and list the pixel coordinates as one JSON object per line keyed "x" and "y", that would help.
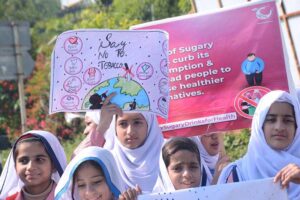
{"x": 236, "y": 143}
{"x": 28, "y": 10}
{"x": 46, "y": 27}
{"x": 147, "y": 10}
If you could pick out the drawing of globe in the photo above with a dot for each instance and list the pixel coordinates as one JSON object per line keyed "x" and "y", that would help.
{"x": 130, "y": 95}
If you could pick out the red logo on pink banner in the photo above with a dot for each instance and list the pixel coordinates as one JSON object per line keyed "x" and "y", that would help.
{"x": 246, "y": 100}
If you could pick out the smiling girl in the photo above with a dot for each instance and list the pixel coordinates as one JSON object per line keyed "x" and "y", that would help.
{"x": 92, "y": 175}
{"x": 33, "y": 167}
{"x": 273, "y": 149}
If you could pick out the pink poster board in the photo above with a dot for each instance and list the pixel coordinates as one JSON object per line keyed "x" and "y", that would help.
{"x": 210, "y": 56}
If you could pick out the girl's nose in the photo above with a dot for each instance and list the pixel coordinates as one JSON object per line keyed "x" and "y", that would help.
{"x": 30, "y": 165}
{"x": 187, "y": 173}
{"x": 129, "y": 130}
{"x": 279, "y": 125}
{"x": 89, "y": 192}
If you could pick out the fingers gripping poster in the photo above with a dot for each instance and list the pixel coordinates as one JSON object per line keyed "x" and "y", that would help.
{"x": 89, "y": 65}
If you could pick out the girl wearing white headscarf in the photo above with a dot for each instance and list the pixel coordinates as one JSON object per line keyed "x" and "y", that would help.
{"x": 67, "y": 189}
{"x": 265, "y": 159}
{"x": 10, "y": 182}
{"x": 212, "y": 159}
{"x": 135, "y": 146}
{"x": 93, "y": 138}
{"x": 137, "y": 165}
{"x": 91, "y": 120}
{"x": 180, "y": 166}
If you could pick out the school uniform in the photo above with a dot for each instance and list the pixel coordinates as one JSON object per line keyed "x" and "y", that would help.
{"x": 64, "y": 189}
{"x": 260, "y": 160}
{"x": 10, "y": 183}
{"x": 137, "y": 166}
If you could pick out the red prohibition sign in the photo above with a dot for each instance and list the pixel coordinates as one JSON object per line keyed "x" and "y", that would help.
{"x": 246, "y": 100}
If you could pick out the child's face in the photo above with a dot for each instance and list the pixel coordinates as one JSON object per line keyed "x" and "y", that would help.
{"x": 184, "y": 170}
{"x": 280, "y": 126}
{"x": 211, "y": 143}
{"x": 90, "y": 125}
{"x": 33, "y": 166}
{"x": 91, "y": 184}
{"x": 131, "y": 129}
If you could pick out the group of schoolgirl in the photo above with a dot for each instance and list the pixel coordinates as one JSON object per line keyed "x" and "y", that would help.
{"x": 120, "y": 155}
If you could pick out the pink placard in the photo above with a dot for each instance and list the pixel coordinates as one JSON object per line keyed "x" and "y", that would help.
{"x": 213, "y": 58}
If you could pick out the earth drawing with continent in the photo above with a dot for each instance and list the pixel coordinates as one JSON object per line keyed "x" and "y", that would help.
{"x": 130, "y": 95}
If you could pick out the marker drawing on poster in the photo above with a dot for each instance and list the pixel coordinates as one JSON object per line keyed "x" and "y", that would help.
{"x": 90, "y": 64}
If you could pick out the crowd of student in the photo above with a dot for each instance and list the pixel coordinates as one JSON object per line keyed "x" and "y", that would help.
{"x": 125, "y": 155}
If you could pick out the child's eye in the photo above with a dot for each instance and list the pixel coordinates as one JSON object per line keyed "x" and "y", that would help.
{"x": 80, "y": 185}
{"x": 23, "y": 161}
{"x": 40, "y": 160}
{"x": 177, "y": 168}
{"x": 270, "y": 119}
{"x": 97, "y": 182}
{"x": 123, "y": 124}
{"x": 138, "y": 122}
{"x": 88, "y": 123}
{"x": 194, "y": 166}
{"x": 289, "y": 120}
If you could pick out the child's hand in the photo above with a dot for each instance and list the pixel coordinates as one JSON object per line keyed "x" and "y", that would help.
{"x": 223, "y": 161}
{"x": 108, "y": 110}
{"x": 130, "y": 194}
{"x": 290, "y": 173}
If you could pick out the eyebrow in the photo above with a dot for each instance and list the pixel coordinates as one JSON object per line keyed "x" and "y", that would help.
{"x": 39, "y": 155}
{"x": 96, "y": 176}
{"x": 137, "y": 118}
{"x": 288, "y": 115}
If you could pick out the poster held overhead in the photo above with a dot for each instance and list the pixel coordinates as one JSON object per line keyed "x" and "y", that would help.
{"x": 221, "y": 64}
{"x": 90, "y": 64}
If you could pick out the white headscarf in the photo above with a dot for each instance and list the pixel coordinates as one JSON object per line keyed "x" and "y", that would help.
{"x": 163, "y": 182}
{"x": 207, "y": 161}
{"x": 139, "y": 165}
{"x": 261, "y": 161}
{"x": 10, "y": 182}
{"x": 94, "y": 115}
{"x": 107, "y": 163}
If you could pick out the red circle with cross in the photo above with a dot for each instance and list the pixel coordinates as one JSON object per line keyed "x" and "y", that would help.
{"x": 246, "y": 100}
